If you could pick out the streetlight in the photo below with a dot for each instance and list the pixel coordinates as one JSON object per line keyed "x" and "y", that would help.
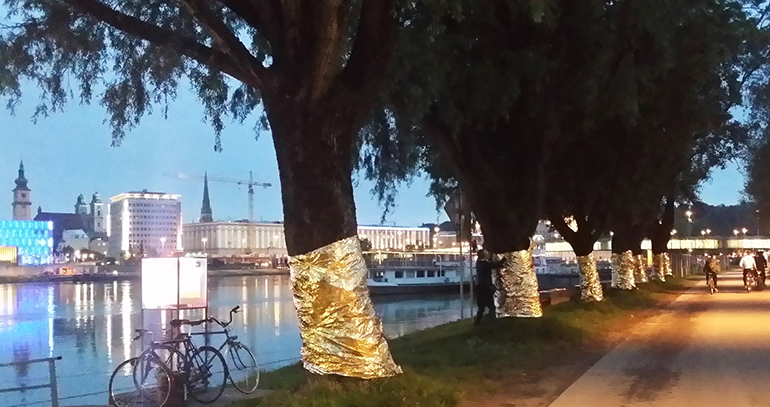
{"x": 673, "y": 232}
{"x": 204, "y": 240}
{"x": 689, "y": 214}
{"x": 163, "y": 243}
{"x": 736, "y": 232}
{"x": 744, "y": 230}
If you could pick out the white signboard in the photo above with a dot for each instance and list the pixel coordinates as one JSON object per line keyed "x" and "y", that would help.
{"x": 174, "y": 283}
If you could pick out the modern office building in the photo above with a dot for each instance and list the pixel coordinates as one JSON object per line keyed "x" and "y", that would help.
{"x": 148, "y": 223}
{"x": 26, "y": 243}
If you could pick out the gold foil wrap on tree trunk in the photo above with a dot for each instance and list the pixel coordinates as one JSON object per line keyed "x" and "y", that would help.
{"x": 640, "y": 269}
{"x": 665, "y": 263}
{"x": 518, "y": 294}
{"x": 657, "y": 267}
{"x": 623, "y": 270}
{"x": 341, "y": 334}
{"x": 590, "y": 286}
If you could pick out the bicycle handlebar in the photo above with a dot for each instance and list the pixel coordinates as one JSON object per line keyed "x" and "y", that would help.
{"x": 179, "y": 322}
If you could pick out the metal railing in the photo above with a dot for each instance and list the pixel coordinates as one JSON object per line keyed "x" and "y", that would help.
{"x": 51, "y": 378}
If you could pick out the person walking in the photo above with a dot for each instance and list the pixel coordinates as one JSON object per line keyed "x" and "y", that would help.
{"x": 485, "y": 291}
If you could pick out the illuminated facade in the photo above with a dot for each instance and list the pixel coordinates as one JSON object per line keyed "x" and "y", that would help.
{"x": 395, "y": 237}
{"x": 218, "y": 239}
{"x": 148, "y": 221}
{"x": 33, "y": 241}
{"x": 268, "y": 239}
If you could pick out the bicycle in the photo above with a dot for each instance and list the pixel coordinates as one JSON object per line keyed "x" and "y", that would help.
{"x": 201, "y": 371}
{"x": 242, "y": 367}
{"x": 131, "y": 396}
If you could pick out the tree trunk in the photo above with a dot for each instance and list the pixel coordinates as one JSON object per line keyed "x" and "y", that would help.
{"x": 622, "y": 260}
{"x": 661, "y": 231}
{"x": 341, "y": 334}
{"x": 582, "y": 242}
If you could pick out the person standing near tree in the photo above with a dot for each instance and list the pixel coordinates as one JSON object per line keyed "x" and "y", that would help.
{"x": 485, "y": 292}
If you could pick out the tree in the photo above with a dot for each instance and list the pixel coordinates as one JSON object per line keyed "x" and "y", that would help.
{"x": 314, "y": 66}
{"x": 366, "y": 244}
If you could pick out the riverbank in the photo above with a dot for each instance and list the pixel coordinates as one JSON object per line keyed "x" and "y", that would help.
{"x": 120, "y": 276}
{"x": 521, "y": 362}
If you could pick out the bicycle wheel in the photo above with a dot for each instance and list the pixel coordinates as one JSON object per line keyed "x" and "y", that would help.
{"x": 123, "y": 392}
{"x": 153, "y": 380}
{"x": 242, "y": 367}
{"x": 207, "y": 377}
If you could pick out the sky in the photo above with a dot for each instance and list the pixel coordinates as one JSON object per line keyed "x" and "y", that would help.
{"x": 70, "y": 153}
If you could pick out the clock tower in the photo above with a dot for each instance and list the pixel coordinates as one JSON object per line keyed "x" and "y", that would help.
{"x": 22, "y": 198}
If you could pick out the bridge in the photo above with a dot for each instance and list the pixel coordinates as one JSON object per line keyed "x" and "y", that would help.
{"x": 682, "y": 244}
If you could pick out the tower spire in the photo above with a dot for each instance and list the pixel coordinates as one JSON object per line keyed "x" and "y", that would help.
{"x": 206, "y": 215}
{"x": 21, "y": 181}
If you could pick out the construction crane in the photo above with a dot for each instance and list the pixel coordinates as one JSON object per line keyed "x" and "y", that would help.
{"x": 250, "y": 183}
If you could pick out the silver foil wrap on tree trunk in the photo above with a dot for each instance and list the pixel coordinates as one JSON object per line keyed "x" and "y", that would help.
{"x": 341, "y": 334}
{"x": 640, "y": 269}
{"x": 665, "y": 263}
{"x": 590, "y": 286}
{"x": 623, "y": 270}
{"x": 518, "y": 293}
{"x": 657, "y": 268}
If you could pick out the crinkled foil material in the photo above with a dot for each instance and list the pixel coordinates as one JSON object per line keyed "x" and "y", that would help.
{"x": 590, "y": 286}
{"x": 623, "y": 270}
{"x": 640, "y": 269}
{"x": 658, "y": 268}
{"x": 518, "y": 294}
{"x": 341, "y": 334}
{"x": 666, "y": 264}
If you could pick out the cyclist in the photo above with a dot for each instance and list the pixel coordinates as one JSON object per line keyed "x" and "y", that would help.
{"x": 711, "y": 269}
{"x": 761, "y": 263}
{"x": 748, "y": 265}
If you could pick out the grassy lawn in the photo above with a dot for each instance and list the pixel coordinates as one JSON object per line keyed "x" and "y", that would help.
{"x": 445, "y": 364}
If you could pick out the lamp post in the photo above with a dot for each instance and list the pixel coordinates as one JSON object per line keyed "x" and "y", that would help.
{"x": 163, "y": 244}
{"x": 689, "y": 222}
{"x": 744, "y": 230}
{"x": 204, "y": 240}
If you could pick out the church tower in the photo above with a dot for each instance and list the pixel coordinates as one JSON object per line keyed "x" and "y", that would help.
{"x": 98, "y": 218}
{"x": 206, "y": 216}
{"x": 22, "y": 197}
{"x": 81, "y": 208}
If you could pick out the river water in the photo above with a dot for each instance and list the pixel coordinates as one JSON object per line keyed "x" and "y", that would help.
{"x": 90, "y": 325}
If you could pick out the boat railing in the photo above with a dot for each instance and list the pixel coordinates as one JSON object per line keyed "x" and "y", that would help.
{"x": 51, "y": 378}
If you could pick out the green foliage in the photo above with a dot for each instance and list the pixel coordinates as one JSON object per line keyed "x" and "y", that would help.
{"x": 366, "y": 244}
{"x": 57, "y": 47}
{"x": 681, "y": 78}
{"x": 442, "y": 363}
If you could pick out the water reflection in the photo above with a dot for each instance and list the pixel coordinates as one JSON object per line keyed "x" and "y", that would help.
{"x": 91, "y": 326}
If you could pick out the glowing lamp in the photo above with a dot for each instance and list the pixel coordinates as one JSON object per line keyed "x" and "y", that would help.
{"x": 174, "y": 283}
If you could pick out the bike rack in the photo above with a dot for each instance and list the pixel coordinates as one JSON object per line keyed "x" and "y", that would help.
{"x": 51, "y": 378}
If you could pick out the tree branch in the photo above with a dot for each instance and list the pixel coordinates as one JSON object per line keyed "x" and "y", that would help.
{"x": 230, "y": 44}
{"x": 373, "y": 47}
{"x": 180, "y": 43}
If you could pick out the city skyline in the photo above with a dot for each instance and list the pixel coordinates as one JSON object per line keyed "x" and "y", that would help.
{"x": 69, "y": 153}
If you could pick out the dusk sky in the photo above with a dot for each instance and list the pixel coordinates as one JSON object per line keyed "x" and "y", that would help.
{"x": 69, "y": 153}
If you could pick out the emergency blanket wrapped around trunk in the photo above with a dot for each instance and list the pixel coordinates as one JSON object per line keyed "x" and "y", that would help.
{"x": 518, "y": 293}
{"x": 658, "y": 267}
{"x": 665, "y": 263}
{"x": 341, "y": 334}
{"x": 640, "y": 269}
{"x": 590, "y": 286}
{"x": 623, "y": 270}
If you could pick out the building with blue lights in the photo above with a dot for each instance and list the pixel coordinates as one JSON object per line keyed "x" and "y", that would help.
{"x": 33, "y": 241}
